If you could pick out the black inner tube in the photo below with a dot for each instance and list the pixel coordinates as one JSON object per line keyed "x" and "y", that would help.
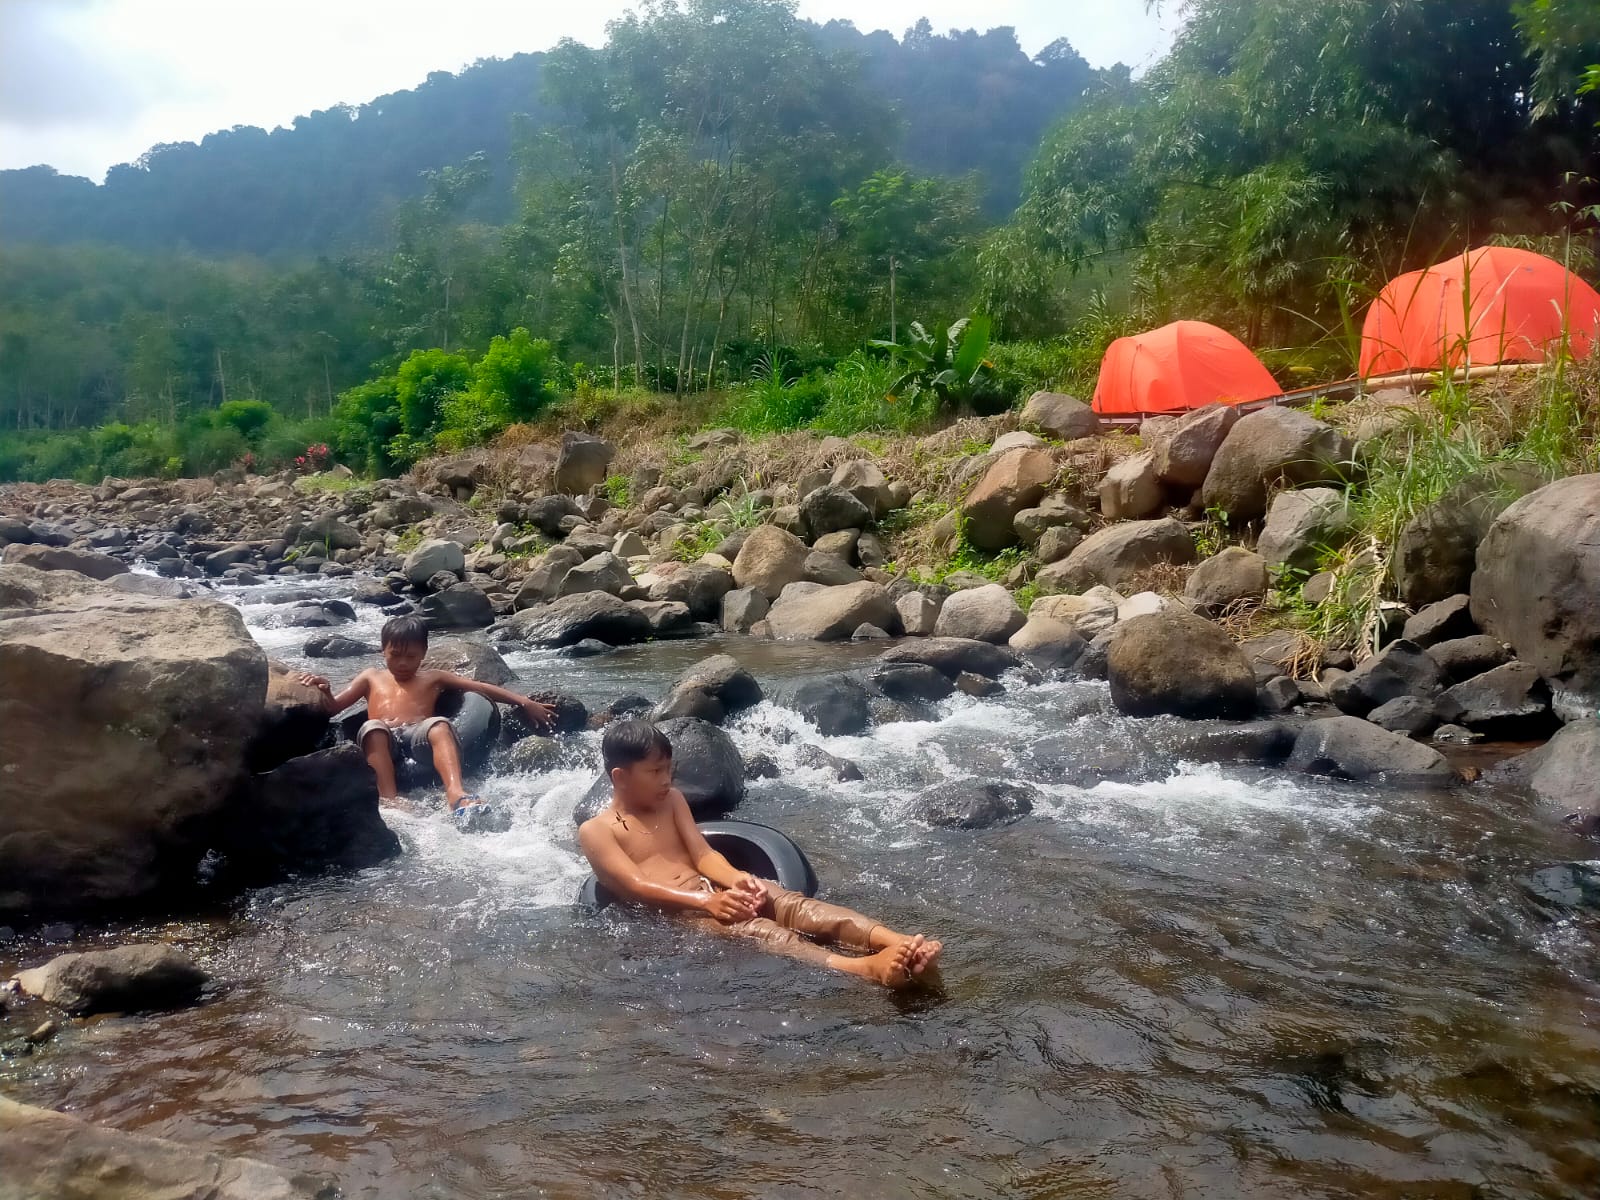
{"x": 758, "y": 849}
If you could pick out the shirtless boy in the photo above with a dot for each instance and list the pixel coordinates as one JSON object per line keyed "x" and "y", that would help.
{"x": 401, "y": 698}
{"x": 645, "y": 847}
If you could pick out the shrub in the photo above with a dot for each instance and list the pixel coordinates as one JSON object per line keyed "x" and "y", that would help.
{"x": 423, "y": 383}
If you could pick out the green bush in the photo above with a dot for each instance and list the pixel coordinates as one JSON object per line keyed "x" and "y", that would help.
{"x": 422, "y": 385}
{"x": 772, "y": 404}
{"x": 366, "y": 419}
{"x": 249, "y": 417}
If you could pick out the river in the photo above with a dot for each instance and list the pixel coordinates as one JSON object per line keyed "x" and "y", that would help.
{"x": 1187, "y": 981}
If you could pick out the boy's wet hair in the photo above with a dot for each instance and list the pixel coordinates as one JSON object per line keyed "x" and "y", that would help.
{"x": 628, "y": 742}
{"x": 405, "y": 631}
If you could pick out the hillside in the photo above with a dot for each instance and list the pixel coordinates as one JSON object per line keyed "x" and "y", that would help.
{"x": 329, "y": 182}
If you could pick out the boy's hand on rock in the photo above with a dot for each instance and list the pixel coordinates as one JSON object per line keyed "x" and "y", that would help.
{"x": 730, "y": 907}
{"x": 314, "y": 681}
{"x": 539, "y": 712}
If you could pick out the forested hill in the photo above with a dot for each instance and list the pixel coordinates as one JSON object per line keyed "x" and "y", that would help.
{"x": 966, "y": 101}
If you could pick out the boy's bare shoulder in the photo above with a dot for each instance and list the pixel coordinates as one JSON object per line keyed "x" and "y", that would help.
{"x": 595, "y": 827}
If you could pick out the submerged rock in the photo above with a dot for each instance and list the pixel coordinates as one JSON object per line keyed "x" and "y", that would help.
{"x": 951, "y": 656}
{"x": 127, "y": 979}
{"x": 835, "y": 704}
{"x": 971, "y": 804}
{"x": 1350, "y": 748}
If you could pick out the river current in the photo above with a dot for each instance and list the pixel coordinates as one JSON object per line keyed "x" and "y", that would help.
{"x": 1185, "y": 980}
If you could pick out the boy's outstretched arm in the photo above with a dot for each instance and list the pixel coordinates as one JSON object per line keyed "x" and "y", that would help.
{"x": 706, "y": 860}
{"x": 538, "y": 712}
{"x": 359, "y": 687}
{"x": 618, "y": 872}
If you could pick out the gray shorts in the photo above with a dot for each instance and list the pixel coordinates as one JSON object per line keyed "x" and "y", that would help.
{"x": 410, "y": 740}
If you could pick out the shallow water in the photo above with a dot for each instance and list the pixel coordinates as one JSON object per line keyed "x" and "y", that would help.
{"x": 1207, "y": 981}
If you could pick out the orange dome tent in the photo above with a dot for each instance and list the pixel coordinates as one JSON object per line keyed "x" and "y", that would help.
{"x": 1185, "y": 365}
{"x": 1489, "y": 305}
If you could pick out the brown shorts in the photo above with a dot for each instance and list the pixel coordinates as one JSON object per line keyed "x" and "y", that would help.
{"x": 410, "y": 740}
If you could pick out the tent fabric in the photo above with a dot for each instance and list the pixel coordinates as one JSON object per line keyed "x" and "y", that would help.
{"x": 1494, "y": 304}
{"x": 1182, "y": 366}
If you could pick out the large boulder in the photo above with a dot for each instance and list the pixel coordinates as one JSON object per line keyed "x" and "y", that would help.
{"x": 293, "y": 721}
{"x": 597, "y": 615}
{"x": 1564, "y": 772}
{"x": 717, "y": 686}
{"x": 135, "y": 978}
{"x": 954, "y": 657}
{"x": 53, "y": 1154}
{"x": 1537, "y": 585}
{"x": 603, "y": 572}
{"x": 1184, "y": 450}
{"x": 1401, "y": 668}
{"x": 1505, "y": 702}
{"x": 1442, "y": 621}
{"x": 1232, "y": 576}
{"x": 831, "y": 613}
{"x": 828, "y": 509}
{"x": 1130, "y": 490}
{"x": 545, "y": 574}
{"x": 583, "y": 463}
{"x": 1350, "y": 748}
{"x": 1302, "y": 524}
{"x": 698, "y": 586}
{"x": 1091, "y": 614}
{"x": 311, "y": 814}
{"x": 1462, "y": 658}
{"x": 1048, "y": 644}
{"x": 472, "y": 660}
{"x": 770, "y": 560}
{"x": 835, "y": 704}
{"x": 975, "y": 804}
{"x": 1437, "y": 549}
{"x": 52, "y": 558}
{"x": 126, "y": 722}
{"x": 329, "y": 533}
{"x": 1269, "y": 448}
{"x": 433, "y": 556}
{"x": 984, "y": 614}
{"x": 863, "y": 480}
{"x": 1176, "y": 662}
{"x": 706, "y": 768}
{"x": 1116, "y": 554}
{"x": 742, "y": 608}
{"x": 460, "y": 606}
{"x": 1018, "y": 480}
{"x": 1061, "y": 416}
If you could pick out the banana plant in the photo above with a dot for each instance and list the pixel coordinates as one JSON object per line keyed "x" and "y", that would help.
{"x": 952, "y": 364}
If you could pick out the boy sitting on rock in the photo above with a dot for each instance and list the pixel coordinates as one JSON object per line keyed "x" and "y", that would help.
{"x": 645, "y": 847}
{"x": 401, "y": 698}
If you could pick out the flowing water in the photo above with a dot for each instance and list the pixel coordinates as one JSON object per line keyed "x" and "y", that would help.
{"x": 1198, "y": 981}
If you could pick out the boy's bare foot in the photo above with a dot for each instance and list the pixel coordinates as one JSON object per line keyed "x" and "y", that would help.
{"x": 890, "y": 966}
{"x": 925, "y": 960}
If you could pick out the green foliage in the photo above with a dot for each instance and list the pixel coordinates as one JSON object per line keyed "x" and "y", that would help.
{"x": 951, "y": 366}
{"x": 248, "y": 417}
{"x": 616, "y": 489}
{"x": 769, "y": 403}
{"x": 366, "y": 421}
{"x": 517, "y": 376}
{"x": 422, "y": 385}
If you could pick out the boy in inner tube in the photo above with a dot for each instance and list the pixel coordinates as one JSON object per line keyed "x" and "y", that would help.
{"x": 401, "y": 698}
{"x": 645, "y": 847}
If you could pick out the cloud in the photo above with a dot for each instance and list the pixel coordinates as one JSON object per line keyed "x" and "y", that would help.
{"x": 55, "y": 72}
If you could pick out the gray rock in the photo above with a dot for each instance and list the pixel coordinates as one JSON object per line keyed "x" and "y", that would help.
{"x": 1268, "y": 448}
{"x": 333, "y": 645}
{"x": 1278, "y": 695}
{"x": 1061, "y": 416}
{"x": 53, "y": 1154}
{"x": 460, "y": 606}
{"x": 911, "y": 681}
{"x": 571, "y": 619}
{"x": 1564, "y": 773}
{"x": 433, "y": 556}
{"x": 770, "y": 559}
{"x": 742, "y": 608}
{"x": 870, "y": 633}
{"x": 547, "y": 514}
{"x": 1116, "y": 554}
{"x": 1015, "y": 481}
{"x": 127, "y": 979}
{"x": 1053, "y": 512}
{"x": 1508, "y": 701}
{"x": 1048, "y": 644}
{"x": 600, "y": 573}
{"x": 863, "y": 480}
{"x": 919, "y": 613}
{"x": 472, "y": 660}
{"x": 952, "y": 656}
{"x": 1177, "y": 662}
{"x": 665, "y": 616}
{"x": 973, "y": 804}
{"x": 1056, "y": 543}
{"x": 835, "y": 704}
{"x": 818, "y": 759}
{"x": 53, "y": 558}
{"x": 1232, "y": 576}
{"x": 841, "y": 545}
{"x": 582, "y": 464}
{"x": 721, "y": 678}
{"x": 1399, "y": 669}
{"x": 330, "y": 533}
{"x": 1462, "y": 658}
{"x": 1130, "y": 491}
{"x": 1436, "y": 551}
{"x": 984, "y": 614}
{"x": 1350, "y": 748}
{"x": 1537, "y": 585}
{"x": 1184, "y": 451}
{"x": 829, "y": 509}
{"x": 699, "y": 586}
{"x": 1302, "y": 525}
{"x": 1410, "y": 715}
{"x": 1444, "y": 620}
{"x": 1091, "y": 614}
{"x": 831, "y": 613}
{"x": 830, "y": 570}
{"x": 545, "y": 575}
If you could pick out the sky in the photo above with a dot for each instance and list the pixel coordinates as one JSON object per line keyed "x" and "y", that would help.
{"x": 86, "y": 84}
